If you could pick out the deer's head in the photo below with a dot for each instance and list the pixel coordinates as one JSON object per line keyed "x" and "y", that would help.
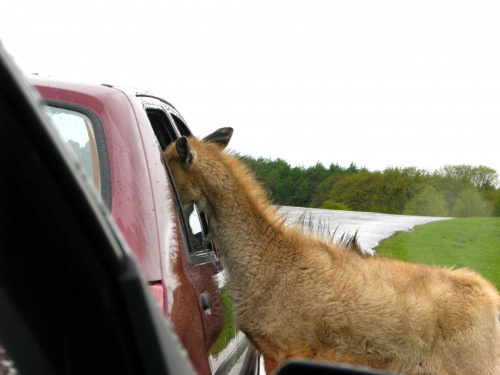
{"x": 189, "y": 160}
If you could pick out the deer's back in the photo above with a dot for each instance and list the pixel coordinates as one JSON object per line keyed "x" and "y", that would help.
{"x": 342, "y": 307}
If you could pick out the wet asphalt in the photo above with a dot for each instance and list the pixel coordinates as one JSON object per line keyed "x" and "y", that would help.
{"x": 371, "y": 227}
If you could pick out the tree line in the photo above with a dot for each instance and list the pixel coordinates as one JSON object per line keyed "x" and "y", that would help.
{"x": 453, "y": 190}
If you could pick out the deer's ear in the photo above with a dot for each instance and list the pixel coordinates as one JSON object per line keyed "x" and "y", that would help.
{"x": 186, "y": 154}
{"x": 220, "y": 136}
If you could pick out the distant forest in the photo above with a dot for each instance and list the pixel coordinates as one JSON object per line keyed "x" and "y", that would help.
{"x": 453, "y": 190}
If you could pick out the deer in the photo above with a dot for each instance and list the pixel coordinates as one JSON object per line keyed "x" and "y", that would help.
{"x": 299, "y": 295}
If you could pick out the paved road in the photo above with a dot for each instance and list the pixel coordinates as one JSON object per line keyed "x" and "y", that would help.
{"x": 372, "y": 227}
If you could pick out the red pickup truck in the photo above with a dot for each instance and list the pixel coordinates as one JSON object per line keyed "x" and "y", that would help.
{"x": 117, "y": 136}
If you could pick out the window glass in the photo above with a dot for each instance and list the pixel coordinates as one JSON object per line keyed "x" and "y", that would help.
{"x": 161, "y": 126}
{"x": 197, "y": 227}
{"x": 77, "y": 133}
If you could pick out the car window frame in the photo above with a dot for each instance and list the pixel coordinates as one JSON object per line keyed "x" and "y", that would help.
{"x": 194, "y": 257}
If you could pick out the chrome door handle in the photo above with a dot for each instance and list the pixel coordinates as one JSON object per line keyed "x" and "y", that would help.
{"x": 206, "y": 300}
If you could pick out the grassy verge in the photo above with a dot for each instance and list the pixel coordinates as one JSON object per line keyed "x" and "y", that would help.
{"x": 229, "y": 330}
{"x": 470, "y": 242}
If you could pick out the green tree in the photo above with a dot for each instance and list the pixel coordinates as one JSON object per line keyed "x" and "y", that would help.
{"x": 496, "y": 207}
{"x": 471, "y": 204}
{"x": 482, "y": 177}
{"x": 429, "y": 202}
{"x": 316, "y": 174}
{"x": 330, "y": 205}
{"x": 395, "y": 190}
{"x": 359, "y": 191}
{"x": 294, "y": 186}
{"x": 400, "y": 185}
{"x": 321, "y": 189}
{"x": 453, "y": 180}
{"x": 386, "y": 192}
{"x": 280, "y": 180}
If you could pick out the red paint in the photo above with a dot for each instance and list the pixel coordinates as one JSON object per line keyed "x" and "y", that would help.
{"x": 157, "y": 289}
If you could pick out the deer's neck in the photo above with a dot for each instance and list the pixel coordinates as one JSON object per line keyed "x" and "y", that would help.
{"x": 245, "y": 228}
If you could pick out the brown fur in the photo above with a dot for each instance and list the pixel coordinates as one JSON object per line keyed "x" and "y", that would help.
{"x": 297, "y": 295}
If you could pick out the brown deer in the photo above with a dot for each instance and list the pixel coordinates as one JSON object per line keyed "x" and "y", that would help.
{"x": 299, "y": 296}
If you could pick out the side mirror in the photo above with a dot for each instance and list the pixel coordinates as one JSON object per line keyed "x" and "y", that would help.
{"x": 198, "y": 226}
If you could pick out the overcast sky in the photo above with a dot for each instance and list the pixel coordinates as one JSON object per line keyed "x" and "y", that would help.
{"x": 377, "y": 83}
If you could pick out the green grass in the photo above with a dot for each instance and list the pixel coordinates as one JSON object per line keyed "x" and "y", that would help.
{"x": 229, "y": 330}
{"x": 470, "y": 242}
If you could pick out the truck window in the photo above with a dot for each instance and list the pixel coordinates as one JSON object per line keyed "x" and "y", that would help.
{"x": 77, "y": 132}
{"x": 194, "y": 222}
{"x": 82, "y": 133}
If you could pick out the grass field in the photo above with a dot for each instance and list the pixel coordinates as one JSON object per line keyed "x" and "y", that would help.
{"x": 470, "y": 242}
